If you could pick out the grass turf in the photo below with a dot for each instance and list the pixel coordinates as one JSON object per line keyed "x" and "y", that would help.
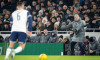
{"x": 34, "y": 57}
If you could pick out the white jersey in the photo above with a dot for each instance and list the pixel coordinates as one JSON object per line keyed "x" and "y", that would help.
{"x": 20, "y": 19}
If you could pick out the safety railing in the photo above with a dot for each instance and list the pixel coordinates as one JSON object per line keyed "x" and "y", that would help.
{"x": 59, "y": 32}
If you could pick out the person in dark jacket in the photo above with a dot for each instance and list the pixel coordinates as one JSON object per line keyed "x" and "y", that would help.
{"x": 94, "y": 47}
{"x": 34, "y": 26}
{"x": 79, "y": 33}
{"x": 1, "y": 39}
{"x": 45, "y": 36}
{"x": 32, "y": 39}
{"x": 7, "y": 39}
{"x": 71, "y": 35}
{"x": 48, "y": 26}
{"x": 99, "y": 40}
{"x": 86, "y": 43}
{"x": 6, "y": 27}
{"x": 63, "y": 23}
{"x": 94, "y": 23}
{"x": 37, "y": 38}
{"x": 1, "y": 25}
{"x": 60, "y": 40}
{"x": 66, "y": 46}
{"x": 53, "y": 37}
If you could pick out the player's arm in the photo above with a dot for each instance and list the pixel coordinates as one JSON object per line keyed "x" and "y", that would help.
{"x": 66, "y": 26}
{"x": 30, "y": 23}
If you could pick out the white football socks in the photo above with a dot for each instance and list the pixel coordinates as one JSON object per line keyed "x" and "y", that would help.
{"x": 18, "y": 49}
{"x": 8, "y": 52}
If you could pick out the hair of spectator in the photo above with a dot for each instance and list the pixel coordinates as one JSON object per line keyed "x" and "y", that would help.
{"x": 58, "y": 17}
{"x": 77, "y": 14}
{"x": 45, "y": 29}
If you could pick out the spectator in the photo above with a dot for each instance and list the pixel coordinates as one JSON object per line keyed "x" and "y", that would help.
{"x": 47, "y": 14}
{"x": 67, "y": 14}
{"x": 63, "y": 24}
{"x": 7, "y": 39}
{"x": 33, "y": 5}
{"x": 38, "y": 36}
{"x": 2, "y": 6}
{"x": 66, "y": 46}
{"x": 59, "y": 20}
{"x": 45, "y": 37}
{"x": 76, "y": 4}
{"x": 64, "y": 8}
{"x": 51, "y": 8}
{"x": 6, "y": 19}
{"x": 71, "y": 35}
{"x": 94, "y": 24}
{"x": 53, "y": 37}
{"x": 41, "y": 26}
{"x": 33, "y": 39}
{"x": 94, "y": 47}
{"x": 53, "y": 20}
{"x": 60, "y": 39}
{"x": 8, "y": 5}
{"x": 1, "y": 25}
{"x": 56, "y": 26}
{"x": 44, "y": 20}
{"x": 61, "y": 3}
{"x": 34, "y": 13}
{"x": 6, "y": 28}
{"x": 89, "y": 13}
{"x": 35, "y": 18}
{"x": 86, "y": 43}
{"x": 40, "y": 13}
{"x": 37, "y": 8}
{"x": 34, "y": 26}
{"x": 68, "y": 21}
{"x": 99, "y": 39}
{"x": 48, "y": 26}
{"x": 1, "y": 39}
{"x": 88, "y": 23}
{"x": 39, "y": 19}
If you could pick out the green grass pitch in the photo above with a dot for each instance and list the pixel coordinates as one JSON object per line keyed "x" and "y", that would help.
{"x": 52, "y": 57}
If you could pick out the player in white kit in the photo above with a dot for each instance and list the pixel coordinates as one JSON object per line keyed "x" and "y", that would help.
{"x": 19, "y": 21}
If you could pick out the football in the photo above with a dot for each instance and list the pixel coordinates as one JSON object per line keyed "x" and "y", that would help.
{"x": 43, "y": 57}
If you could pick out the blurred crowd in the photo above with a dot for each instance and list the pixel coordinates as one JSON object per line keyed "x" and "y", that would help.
{"x": 51, "y": 14}
{"x": 91, "y": 44}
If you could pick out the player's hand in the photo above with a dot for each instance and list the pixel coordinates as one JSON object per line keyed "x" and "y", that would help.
{"x": 91, "y": 51}
{"x": 29, "y": 33}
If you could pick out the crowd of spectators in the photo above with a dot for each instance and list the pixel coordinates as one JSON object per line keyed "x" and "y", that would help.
{"x": 51, "y": 14}
{"x": 91, "y": 44}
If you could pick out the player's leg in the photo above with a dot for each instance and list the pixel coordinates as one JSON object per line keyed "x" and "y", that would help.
{"x": 9, "y": 50}
{"x": 72, "y": 48}
{"x": 17, "y": 50}
{"x": 21, "y": 40}
{"x": 12, "y": 44}
{"x": 82, "y": 47}
{"x": 20, "y": 48}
